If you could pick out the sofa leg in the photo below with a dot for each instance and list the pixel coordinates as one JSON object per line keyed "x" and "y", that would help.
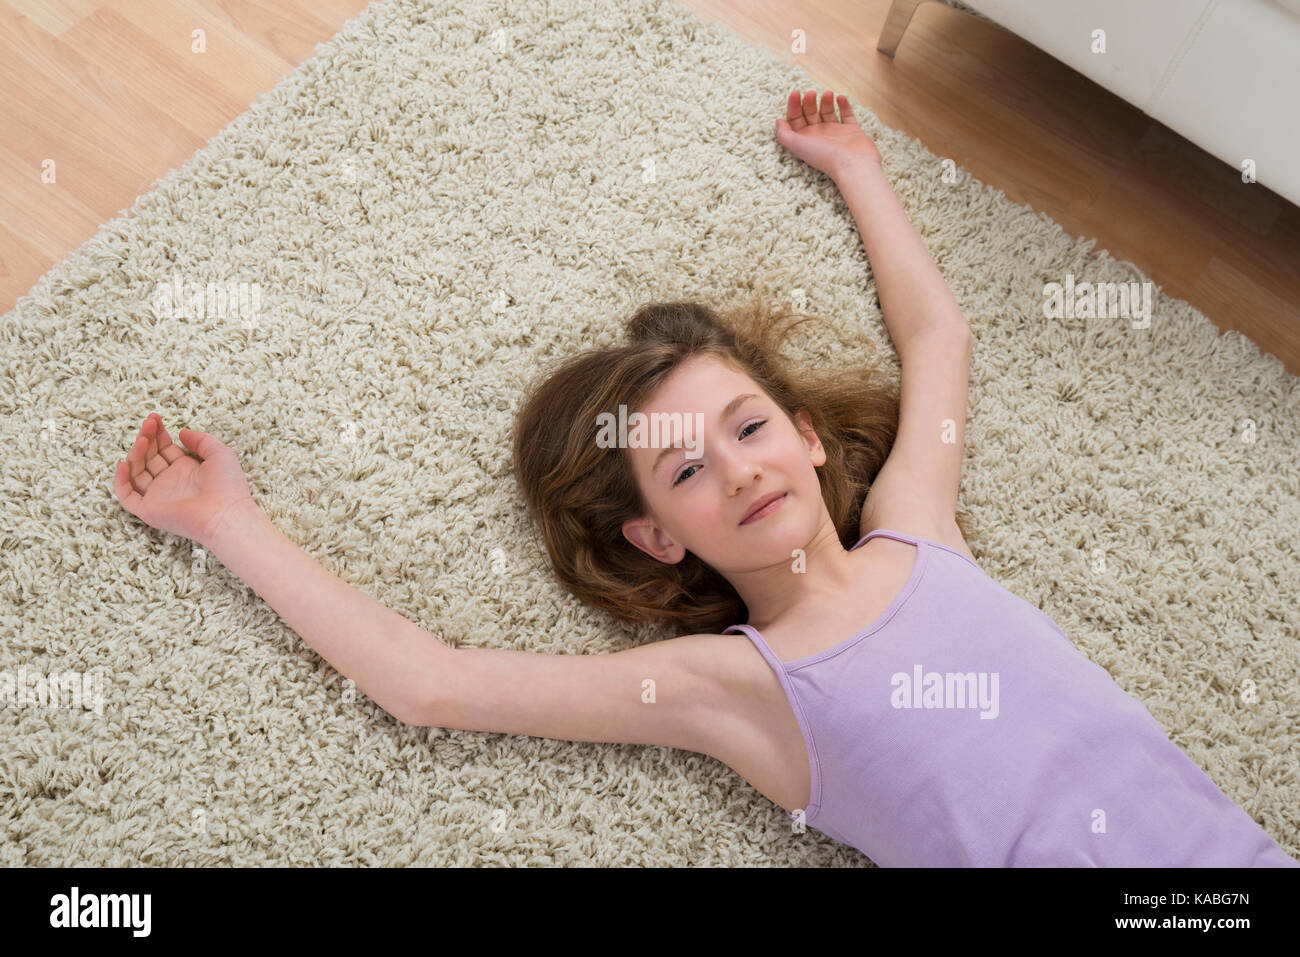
{"x": 900, "y": 15}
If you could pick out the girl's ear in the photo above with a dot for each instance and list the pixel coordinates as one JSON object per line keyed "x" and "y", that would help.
{"x": 645, "y": 535}
{"x": 803, "y": 420}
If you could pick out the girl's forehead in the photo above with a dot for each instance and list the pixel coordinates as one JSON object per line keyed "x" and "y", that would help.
{"x": 698, "y": 380}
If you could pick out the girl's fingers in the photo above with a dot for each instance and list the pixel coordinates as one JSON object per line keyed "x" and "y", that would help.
{"x": 802, "y": 110}
{"x": 794, "y": 111}
{"x": 202, "y": 444}
{"x": 147, "y": 429}
{"x": 828, "y": 108}
{"x": 810, "y": 114}
{"x": 140, "y": 476}
{"x": 166, "y": 447}
{"x": 153, "y": 462}
{"x": 846, "y": 111}
{"x": 126, "y": 492}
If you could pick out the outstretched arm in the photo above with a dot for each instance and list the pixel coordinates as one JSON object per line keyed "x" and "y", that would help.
{"x": 200, "y": 493}
{"x": 918, "y": 485}
{"x": 913, "y": 294}
{"x": 390, "y": 658}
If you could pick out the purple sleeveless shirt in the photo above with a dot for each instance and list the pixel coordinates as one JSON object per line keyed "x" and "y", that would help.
{"x": 962, "y": 728}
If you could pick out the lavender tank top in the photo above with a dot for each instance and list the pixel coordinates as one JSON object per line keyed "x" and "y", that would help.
{"x": 962, "y": 728}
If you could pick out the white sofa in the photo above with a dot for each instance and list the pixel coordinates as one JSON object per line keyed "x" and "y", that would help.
{"x": 1225, "y": 74}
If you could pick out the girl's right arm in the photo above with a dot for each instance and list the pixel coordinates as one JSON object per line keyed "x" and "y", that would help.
{"x": 392, "y": 660}
{"x": 200, "y": 492}
{"x": 657, "y": 693}
{"x": 663, "y": 693}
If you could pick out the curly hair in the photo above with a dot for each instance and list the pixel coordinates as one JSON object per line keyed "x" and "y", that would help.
{"x": 581, "y": 493}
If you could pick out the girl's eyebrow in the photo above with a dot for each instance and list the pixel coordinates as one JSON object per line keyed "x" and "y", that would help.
{"x": 731, "y": 407}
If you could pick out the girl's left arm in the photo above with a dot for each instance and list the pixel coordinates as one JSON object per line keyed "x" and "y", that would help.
{"x": 390, "y": 658}
{"x": 913, "y": 295}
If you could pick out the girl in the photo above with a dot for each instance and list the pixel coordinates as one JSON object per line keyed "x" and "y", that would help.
{"x": 890, "y": 695}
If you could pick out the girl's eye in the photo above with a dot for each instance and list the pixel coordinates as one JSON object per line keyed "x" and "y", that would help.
{"x": 683, "y": 475}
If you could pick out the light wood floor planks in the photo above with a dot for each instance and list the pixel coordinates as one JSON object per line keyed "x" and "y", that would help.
{"x": 113, "y": 94}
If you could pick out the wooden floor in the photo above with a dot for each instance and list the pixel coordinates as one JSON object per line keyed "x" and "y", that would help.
{"x": 112, "y": 93}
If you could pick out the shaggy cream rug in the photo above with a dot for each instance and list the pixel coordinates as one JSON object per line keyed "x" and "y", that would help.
{"x": 444, "y": 197}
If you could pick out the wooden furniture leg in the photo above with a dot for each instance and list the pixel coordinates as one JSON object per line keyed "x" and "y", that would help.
{"x": 900, "y": 15}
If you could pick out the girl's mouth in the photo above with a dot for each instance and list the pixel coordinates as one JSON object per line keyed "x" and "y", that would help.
{"x": 766, "y": 510}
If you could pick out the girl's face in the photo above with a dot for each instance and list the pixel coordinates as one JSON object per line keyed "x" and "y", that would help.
{"x": 700, "y": 491}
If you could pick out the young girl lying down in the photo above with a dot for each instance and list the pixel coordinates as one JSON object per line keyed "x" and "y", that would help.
{"x": 890, "y": 694}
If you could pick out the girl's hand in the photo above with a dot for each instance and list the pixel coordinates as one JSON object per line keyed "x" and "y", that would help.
{"x": 168, "y": 488}
{"x": 819, "y": 139}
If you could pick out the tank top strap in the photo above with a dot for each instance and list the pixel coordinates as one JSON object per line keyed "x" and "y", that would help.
{"x": 761, "y": 644}
{"x": 918, "y": 542}
{"x": 890, "y": 533}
